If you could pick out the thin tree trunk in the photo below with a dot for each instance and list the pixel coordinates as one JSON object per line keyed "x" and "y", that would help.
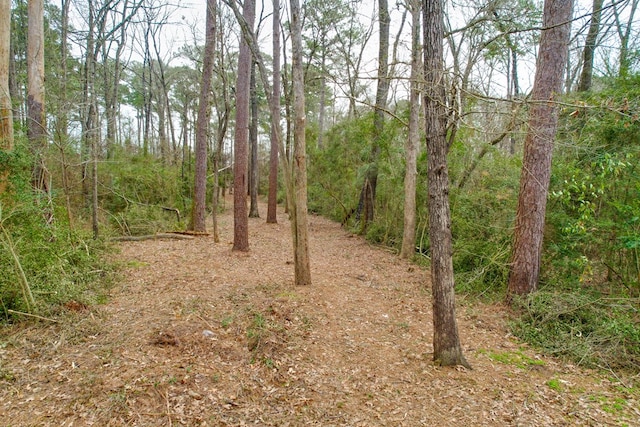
{"x": 590, "y": 43}
{"x": 199, "y": 214}
{"x": 323, "y": 95}
{"x": 536, "y": 164}
{"x": 62, "y": 120}
{"x": 240, "y": 217}
{"x": 6, "y": 113}
{"x": 272, "y": 200}
{"x": 411, "y": 145}
{"x": 36, "y": 127}
{"x": 94, "y": 176}
{"x": 253, "y": 139}
{"x": 446, "y": 342}
{"x": 625, "y": 34}
{"x": 299, "y": 208}
{"x": 223, "y": 122}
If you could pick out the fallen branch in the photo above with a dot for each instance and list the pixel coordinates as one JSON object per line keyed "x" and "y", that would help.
{"x": 31, "y": 315}
{"x": 167, "y": 208}
{"x": 156, "y": 236}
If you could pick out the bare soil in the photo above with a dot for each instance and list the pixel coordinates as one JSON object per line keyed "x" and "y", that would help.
{"x": 197, "y": 335}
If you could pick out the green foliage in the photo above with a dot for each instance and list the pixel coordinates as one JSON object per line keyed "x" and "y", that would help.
{"x": 336, "y": 172}
{"x": 49, "y": 260}
{"x": 587, "y": 328}
{"x": 515, "y": 358}
{"x": 137, "y": 192}
{"x": 336, "y": 175}
{"x": 595, "y": 203}
{"x": 482, "y": 219}
{"x": 588, "y": 307}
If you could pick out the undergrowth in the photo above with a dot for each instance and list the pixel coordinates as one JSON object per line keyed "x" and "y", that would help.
{"x": 592, "y": 330}
{"x": 44, "y": 262}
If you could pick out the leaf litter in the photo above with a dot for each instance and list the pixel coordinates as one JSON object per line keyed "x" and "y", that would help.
{"x": 197, "y": 335}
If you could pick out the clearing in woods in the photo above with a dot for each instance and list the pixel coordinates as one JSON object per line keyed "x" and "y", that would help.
{"x": 196, "y": 335}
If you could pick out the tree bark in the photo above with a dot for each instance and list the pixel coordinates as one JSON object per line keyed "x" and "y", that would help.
{"x": 199, "y": 213}
{"x": 299, "y": 208}
{"x": 323, "y": 96}
{"x": 6, "y": 113}
{"x": 272, "y": 200}
{"x": 411, "y": 146}
{"x": 586, "y": 75}
{"x": 36, "y": 127}
{"x": 240, "y": 217}
{"x": 253, "y": 140}
{"x": 223, "y": 112}
{"x": 536, "y": 164}
{"x": 446, "y": 342}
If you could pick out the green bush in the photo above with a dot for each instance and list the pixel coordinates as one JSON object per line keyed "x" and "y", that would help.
{"x": 40, "y": 258}
{"x": 589, "y": 329}
{"x": 137, "y": 191}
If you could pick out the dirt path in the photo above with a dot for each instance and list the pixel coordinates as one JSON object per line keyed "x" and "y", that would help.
{"x": 197, "y": 335}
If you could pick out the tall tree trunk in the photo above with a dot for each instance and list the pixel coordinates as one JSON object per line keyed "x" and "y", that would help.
{"x": 62, "y": 116}
{"x": 146, "y": 93}
{"x": 446, "y": 342}
{"x": 253, "y": 139}
{"x": 411, "y": 145}
{"x": 6, "y": 113}
{"x": 36, "y": 127}
{"x": 590, "y": 43}
{"x": 323, "y": 96}
{"x": 536, "y": 164}
{"x": 272, "y": 200}
{"x": 161, "y": 112}
{"x": 94, "y": 172}
{"x": 199, "y": 213}
{"x": 299, "y": 208}
{"x": 240, "y": 217}
{"x": 366, "y": 206}
{"x": 223, "y": 113}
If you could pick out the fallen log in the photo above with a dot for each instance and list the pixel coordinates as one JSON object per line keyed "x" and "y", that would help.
{"x": 156, "y": 236}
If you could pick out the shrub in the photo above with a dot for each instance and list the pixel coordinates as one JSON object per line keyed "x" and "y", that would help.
{"x": 587, "y": 328}
{"x": 55, "y": 263}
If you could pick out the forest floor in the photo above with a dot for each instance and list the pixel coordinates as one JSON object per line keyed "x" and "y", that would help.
{"x": 195, "y": 334}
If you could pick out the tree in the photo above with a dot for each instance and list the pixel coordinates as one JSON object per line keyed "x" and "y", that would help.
{"x": 624, "y": 33}
{"x": 323, "y": 20}
{"x": 6, "y": 114}
{"x": 590, "y": 43}
{"x": 36, "y": 127}
{"x": 411, "y": 145}
{"x": 536, "y": 164}
{"x": 446, "y": 342}
{"x": 298, "y": 209}
{"x": 222, "y": 99}
{"x": 240, "y": 217}
{"x": 202, "y": 126}
{"x": 352, "y": 44}
{"x": 366, "y": 205}
{"x": 253, "y": 144}
{"x": 272, "y": 198}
